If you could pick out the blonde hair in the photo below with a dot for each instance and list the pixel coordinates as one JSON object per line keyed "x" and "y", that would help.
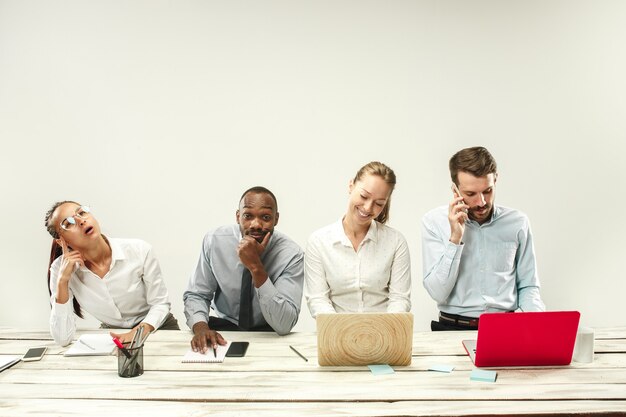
{"x": 383, "y": 171}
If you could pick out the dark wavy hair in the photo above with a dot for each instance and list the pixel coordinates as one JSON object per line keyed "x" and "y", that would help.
{"x": 56, "y": 250}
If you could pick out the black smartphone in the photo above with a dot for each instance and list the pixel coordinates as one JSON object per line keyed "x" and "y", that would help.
{"x": 237, "y": 349}
{"x": 34, "y": 354}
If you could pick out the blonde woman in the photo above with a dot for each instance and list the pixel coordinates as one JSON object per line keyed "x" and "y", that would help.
{"x": 359, "y": 264}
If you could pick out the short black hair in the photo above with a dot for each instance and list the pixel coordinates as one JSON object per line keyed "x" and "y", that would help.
{"x": 260, "y": 190}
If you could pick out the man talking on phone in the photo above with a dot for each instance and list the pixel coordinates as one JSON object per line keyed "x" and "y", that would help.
{"x": 248, "y": 273}
{"x": 477, "y": 256}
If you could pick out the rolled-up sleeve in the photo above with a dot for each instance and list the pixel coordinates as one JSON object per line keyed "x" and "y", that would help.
{"x": 62, "y": 317}
{"x": 317, "y": 290}
{"x": 400, "y": 279}
{"x": 280, "y": 297}
{"x": 527, "y": 279}
{"x": 440, "y": 261}
{"x": 200, "y": 289}
{"x": 156, "y": 292}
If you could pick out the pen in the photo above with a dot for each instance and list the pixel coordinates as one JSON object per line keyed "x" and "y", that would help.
{"x": 134, "y": 341}
{"x": 143, "y": 338}
{"x": 139, "y": 336}
{"x": 214, "y": 351}
{"x": 299, "y": 354}
{"x": 121, "y": 347}
{"x": 86, "y": 344}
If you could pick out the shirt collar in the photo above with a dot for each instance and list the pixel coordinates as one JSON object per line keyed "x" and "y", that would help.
{"x": 494, "y": 215}
{"x": 117, "y": 253}
{"x": 116, "y": 250}
{"x": 339, "y": 235}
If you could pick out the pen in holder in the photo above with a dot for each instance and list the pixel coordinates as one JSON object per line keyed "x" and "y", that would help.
{"x": 130, "y": 361}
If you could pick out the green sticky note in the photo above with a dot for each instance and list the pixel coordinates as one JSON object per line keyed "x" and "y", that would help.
{"x": 484, "y": 376}
{"x": 381, "y": 369}
{"x": 442, "y": 368}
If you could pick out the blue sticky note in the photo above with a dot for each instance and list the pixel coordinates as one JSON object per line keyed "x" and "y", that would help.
{"x": 381, "y": 369}
{"x": 484, "y": 376}
{"x": 442, "y": 368}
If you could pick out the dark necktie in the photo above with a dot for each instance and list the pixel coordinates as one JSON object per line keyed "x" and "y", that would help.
{"x": 245, "y": 302}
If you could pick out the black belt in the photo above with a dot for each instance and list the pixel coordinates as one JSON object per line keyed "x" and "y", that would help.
{"x": 459, "y": 320}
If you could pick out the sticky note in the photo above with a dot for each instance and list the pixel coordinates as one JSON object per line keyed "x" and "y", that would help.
{"x": 381, "y": 369}
{"x": 442, "y": 368}
{"x": 485, "y": 376}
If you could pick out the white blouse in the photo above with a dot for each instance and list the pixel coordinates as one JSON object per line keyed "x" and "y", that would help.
{"x": 131, "y": 292}
{"x": 375, "y": 277}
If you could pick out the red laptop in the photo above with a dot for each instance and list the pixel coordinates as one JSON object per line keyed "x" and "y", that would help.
{"x": 524, "y": 339}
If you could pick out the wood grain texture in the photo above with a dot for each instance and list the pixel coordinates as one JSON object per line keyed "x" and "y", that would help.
{"x": 364, "y": 339}
{"x": 108, "y": 408}
{"x": 273, "y": 381}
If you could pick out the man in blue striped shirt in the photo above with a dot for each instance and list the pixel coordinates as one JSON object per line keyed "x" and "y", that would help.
{"x": 477, "y": 257}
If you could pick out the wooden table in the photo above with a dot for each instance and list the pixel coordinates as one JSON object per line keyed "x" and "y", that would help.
{"x": 273, "y": 381}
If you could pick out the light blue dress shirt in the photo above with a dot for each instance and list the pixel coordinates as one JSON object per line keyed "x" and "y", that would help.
{"x": 492, "y": 270}
{"x": 216, "y": 281}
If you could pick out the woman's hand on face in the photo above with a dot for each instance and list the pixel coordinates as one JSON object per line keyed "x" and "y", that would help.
{"x": 70, "y": 261}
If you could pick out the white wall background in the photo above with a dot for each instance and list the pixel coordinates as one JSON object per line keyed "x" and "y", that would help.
{"x": 159, "y": 114}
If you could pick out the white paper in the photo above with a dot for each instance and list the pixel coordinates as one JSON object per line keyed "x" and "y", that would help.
{"x": 208, "y": 357}
{"x": 7, "y": 361}
{"x": 102, "y": 345}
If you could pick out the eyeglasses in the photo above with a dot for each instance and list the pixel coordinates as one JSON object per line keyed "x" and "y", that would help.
{"x": 81, "y": 212}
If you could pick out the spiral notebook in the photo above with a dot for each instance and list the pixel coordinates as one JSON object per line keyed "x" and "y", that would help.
{"x": 208, "y": 357}
{"x": 92, "y": 345}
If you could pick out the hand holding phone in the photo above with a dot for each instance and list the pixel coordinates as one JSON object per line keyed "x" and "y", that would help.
{"x": 34, "y": 354}
{"x": 457, "y": 193}
{"x": 457, "y": 215}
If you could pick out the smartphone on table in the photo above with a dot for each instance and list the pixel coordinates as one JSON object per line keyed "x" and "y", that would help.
{"x": 237, "y": 349}
{"x": 34, "y": 354}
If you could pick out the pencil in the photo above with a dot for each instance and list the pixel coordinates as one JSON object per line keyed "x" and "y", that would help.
{"x": 299, "y": 354}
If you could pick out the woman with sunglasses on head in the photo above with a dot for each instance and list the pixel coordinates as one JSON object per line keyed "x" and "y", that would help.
{"x": 118, "y": 281}
{"x": 359, "y": 264}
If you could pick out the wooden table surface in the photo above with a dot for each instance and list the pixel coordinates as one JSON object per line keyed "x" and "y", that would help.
{"x": 271, "y": 380}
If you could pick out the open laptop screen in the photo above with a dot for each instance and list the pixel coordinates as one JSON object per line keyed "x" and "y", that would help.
{"x": 525, "y": 339}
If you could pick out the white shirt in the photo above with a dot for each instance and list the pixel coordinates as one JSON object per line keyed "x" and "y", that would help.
{"x": 131, "y": 292}
{"x": 375, "y": 277}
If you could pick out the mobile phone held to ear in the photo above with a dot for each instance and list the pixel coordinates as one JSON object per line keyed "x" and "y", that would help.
{"x": 34, "y": 354}
{"x": 237, "y": 349}
{"x": 456, "y": 191}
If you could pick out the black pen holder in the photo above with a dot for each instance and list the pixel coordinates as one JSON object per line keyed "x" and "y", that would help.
{"x": 130, "y": 361}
